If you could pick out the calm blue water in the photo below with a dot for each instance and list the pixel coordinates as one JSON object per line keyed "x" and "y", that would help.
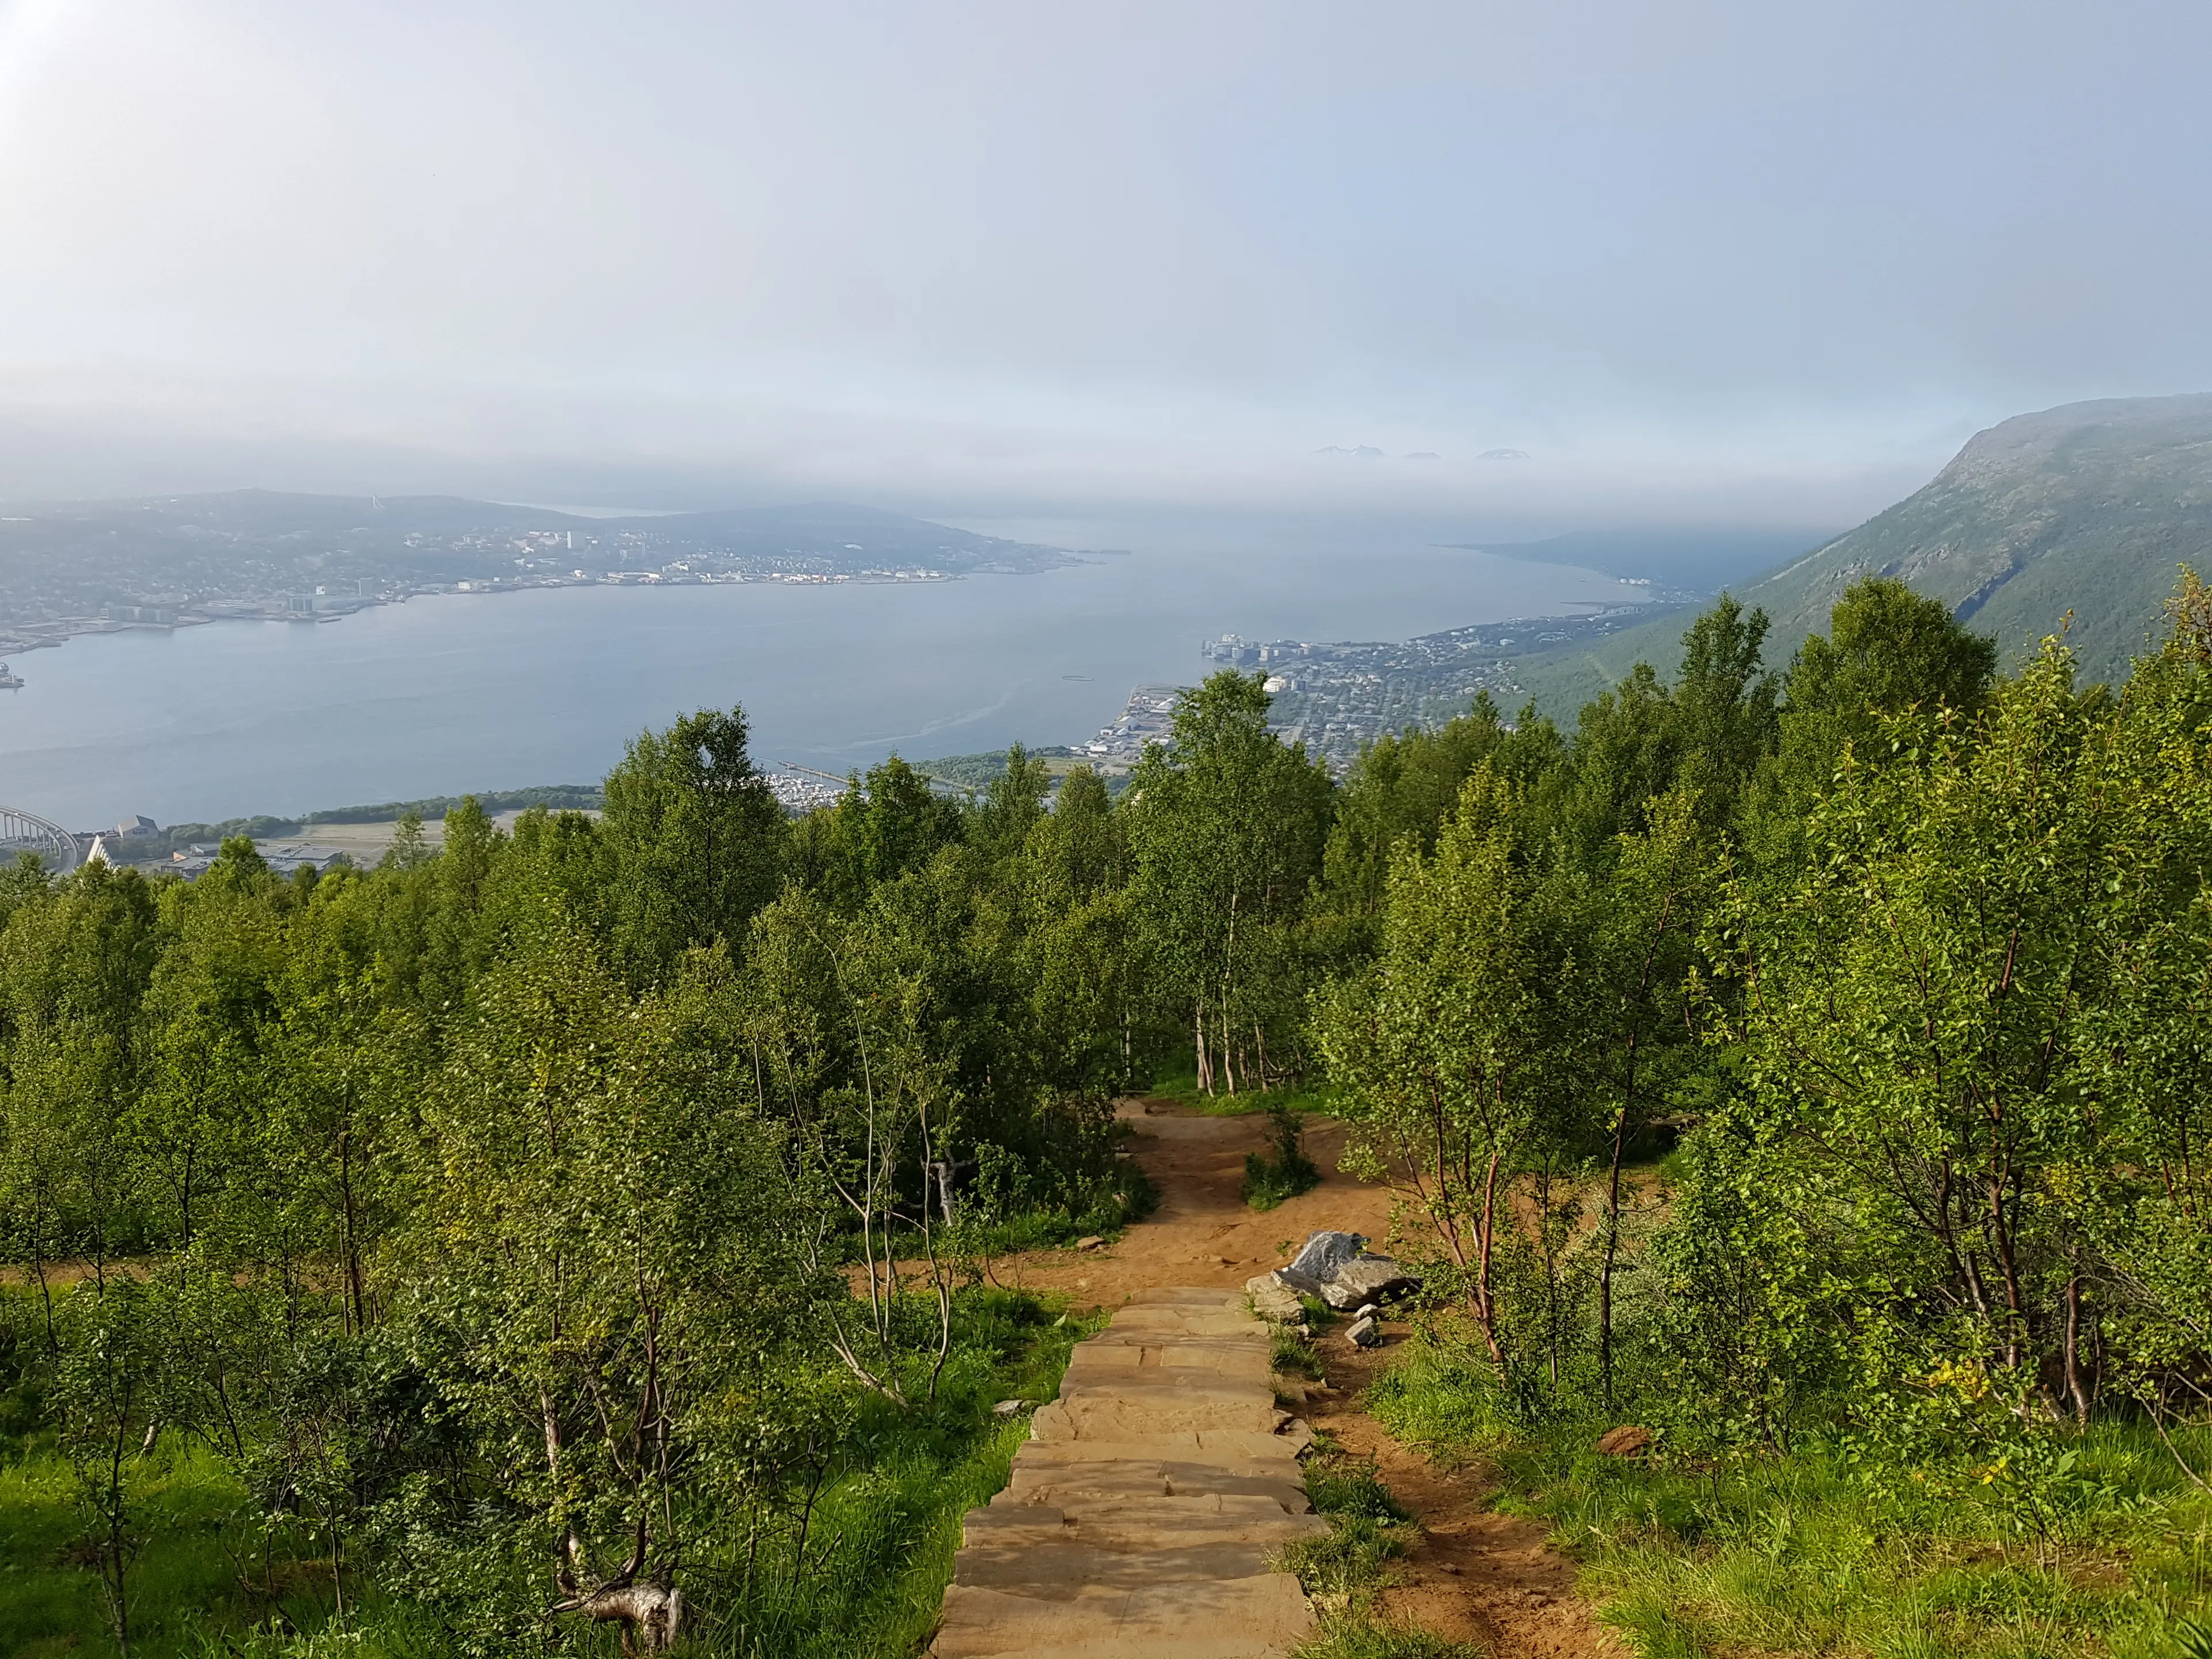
{"x": 444, "y": 695}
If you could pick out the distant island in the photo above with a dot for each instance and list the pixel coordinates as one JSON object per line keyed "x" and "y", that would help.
{"x": 72, "y": 568}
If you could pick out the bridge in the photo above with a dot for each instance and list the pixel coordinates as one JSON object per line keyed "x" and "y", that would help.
{"x": 27, "y": 832}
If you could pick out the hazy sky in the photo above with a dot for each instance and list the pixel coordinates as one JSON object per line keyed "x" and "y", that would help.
{"x": 1755, "y": 260}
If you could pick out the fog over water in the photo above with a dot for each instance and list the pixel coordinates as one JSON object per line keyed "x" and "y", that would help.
{"x": 447, "y": 694}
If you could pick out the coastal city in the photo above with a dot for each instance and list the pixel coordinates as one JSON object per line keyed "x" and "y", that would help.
{"x": 1340, "y": 696}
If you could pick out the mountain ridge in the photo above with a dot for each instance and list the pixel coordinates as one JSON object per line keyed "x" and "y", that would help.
{"x": 2076, "y": 518}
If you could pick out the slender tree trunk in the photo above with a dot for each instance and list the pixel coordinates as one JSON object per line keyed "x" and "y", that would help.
{"x": 352, "y": 1229}
{"x": 1611, "y": 1247}
{"x": 2015, "y": 1305}
{"x": 1552, "y": 1317}
{"x": 1485, "y": 1309}
{"x": 117, "y": 1562}
{"x": 45, "y": 1291}
{"x": 1620, "y": 1143}
{"x": 2076, "y": 1387}
{"x": 1228, "y": 969}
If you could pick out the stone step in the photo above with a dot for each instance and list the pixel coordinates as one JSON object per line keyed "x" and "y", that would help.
{"x": 1279, "y": 1482}
{"x": 1260, "y": 1617}
{"x": 1142, "y": 1517}
{"x": 1140, "y": 1523}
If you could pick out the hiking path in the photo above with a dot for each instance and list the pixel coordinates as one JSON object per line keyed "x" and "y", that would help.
{"x": 1142, "y": 1517}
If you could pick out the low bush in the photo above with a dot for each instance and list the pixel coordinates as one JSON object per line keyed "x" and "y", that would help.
{"x": 1289, "y": 1351}
{"x": 1283, "y": 1172}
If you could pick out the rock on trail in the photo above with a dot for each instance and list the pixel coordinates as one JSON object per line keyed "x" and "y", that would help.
{"x": 1141, "y": 1516}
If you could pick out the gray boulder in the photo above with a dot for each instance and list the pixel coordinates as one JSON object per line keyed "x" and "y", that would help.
{"x": 1315, "y": 1266}
{"x": 1367, "y": 1279}
{"x": 1365, "y": 1333}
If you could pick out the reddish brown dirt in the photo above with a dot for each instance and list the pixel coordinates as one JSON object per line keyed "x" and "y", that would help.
{"x": 1476, "y": 1576}
{"x": 1203, "y": 1233}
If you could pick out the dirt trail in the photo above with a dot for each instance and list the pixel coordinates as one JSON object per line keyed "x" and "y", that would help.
{"x": 1476, "y": 1576}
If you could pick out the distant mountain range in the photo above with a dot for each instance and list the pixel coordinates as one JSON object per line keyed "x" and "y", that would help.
{"x": 2089, "y": 507}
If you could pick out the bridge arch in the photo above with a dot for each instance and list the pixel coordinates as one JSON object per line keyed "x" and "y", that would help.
{"x": 27, "y": 832}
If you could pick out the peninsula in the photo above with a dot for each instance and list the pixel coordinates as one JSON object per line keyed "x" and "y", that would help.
{"x": 72, "y": 568}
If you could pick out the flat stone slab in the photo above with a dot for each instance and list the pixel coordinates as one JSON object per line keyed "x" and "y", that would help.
{"x": 1257, "y": 1618}
{"x": 1141, "y": 1518}
{"x": 1271, "y": 1299}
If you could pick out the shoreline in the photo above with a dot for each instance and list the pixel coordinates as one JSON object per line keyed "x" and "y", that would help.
{"x": 60, "y": 631}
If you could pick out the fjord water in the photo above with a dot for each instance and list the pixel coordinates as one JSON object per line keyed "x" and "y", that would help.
{"x": 451, "y": 693}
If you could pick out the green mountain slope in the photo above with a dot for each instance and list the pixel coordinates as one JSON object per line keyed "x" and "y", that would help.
{"x": 2088, "y": 508}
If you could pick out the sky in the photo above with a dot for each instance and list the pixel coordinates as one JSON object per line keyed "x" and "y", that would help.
{"x": 1746, "y": 262}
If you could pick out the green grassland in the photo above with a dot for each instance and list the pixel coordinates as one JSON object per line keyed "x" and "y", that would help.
{"x": 2093, "y": 1543}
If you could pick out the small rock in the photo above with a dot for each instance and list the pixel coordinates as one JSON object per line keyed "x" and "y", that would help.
{"x": 1626, "y": 1441}
{"x": 1365, "y": 1334}
{"x": 1317, "y": 1263}
{"x": 1366, "y": 1310}
{"x": 1010, "y": 1408}
{"x": 1089, "y": 1242}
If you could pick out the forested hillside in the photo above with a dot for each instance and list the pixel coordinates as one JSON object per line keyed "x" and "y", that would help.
{"x": 578, "y": 1235}
{"x": 2085, "y": 511}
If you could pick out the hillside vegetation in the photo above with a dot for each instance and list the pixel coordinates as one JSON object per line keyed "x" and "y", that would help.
{"x": 2087, "y": 508}
{"x": 579, "y": 1235}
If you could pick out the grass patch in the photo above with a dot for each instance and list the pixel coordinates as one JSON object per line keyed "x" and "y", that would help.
{"x": 1819, "y": 1551}
{"x": 1341, "y": 1569}
{"x": 980, "y": 1234}
{"x": 890, "y": 1519}
{"x": 1284, "y": 1170}
{"x": 185, "y": 1583}
{"x": 1367, "y": 1528}
{"x": 1181, "y": 1088}
{"x": 1289, "y": 1351}
{"x": 1346, "y": 1636}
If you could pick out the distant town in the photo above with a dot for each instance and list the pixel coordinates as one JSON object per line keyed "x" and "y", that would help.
{"x": 1339, "y": 697}
{"x": 1336, "y": 697}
